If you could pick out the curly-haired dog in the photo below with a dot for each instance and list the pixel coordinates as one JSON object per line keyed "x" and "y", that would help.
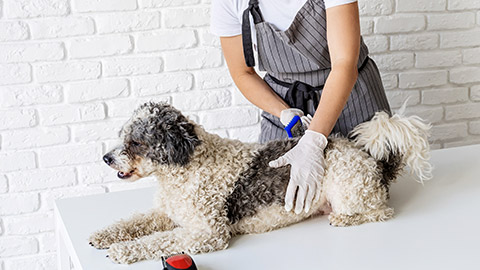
{"x": 211, "y": 188}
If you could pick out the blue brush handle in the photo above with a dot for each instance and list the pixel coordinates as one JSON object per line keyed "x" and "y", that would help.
{"x": 292, "y": 124}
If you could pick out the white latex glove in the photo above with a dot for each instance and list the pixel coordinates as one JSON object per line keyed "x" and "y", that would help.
{"x": 307, "y": 168}
{"x": 287, "y": 115}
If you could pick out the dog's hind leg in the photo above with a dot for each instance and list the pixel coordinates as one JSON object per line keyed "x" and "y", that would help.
{"x": 158, "y": 244}
{"x": 343, "y": 220}
{"x": 137, "y": 226}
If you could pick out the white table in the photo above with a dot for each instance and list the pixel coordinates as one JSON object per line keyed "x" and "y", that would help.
{"x": 437, "y": 226}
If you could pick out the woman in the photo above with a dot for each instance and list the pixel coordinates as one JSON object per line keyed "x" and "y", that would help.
{"x": 316, "y": 63}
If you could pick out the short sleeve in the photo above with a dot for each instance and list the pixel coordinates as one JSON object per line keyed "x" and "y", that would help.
{"x": 224, "y": 21}
{"x": 334, "y": 3}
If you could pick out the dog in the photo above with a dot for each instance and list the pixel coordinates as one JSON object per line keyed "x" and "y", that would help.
{"x": 211, "y": 188}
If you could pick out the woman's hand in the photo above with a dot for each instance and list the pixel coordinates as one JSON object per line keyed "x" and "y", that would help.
{"x": 307, "y": 168}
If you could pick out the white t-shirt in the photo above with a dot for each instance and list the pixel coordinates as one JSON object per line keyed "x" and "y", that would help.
{"x": 226, "y": 15}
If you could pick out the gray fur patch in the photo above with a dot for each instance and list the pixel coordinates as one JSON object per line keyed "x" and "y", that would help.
{"x": 260, "y": 185}
{"x": 391, "y": 169}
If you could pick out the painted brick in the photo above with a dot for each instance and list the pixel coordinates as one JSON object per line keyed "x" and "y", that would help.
{"x": 213, "y": 78}
{"x": 35, "y": 137}
{"x": 96, "y": 173}
{"x": 69, "y": 155}
{"x": 125, "y": 107}
{"x": 47, "y": 242}
{"x": 3, "y": 189}
{"x": 442, "y": 96}
{"x": 13, "y": 31}
{"x": 15, "y": 73}
{"x": 61, "y": 27}
{"x": 419, "y": 79}
{"x": 366, "y": 26}
{"x": 186, "y": 17}
{"x": 49, "y": 196}
{"x": 463, "y": 142}
{"x": 246, "y": 134}
{"x": 37, "y": 262}
{"x": 471, "y": 56}
{"x": 103, "y": 5}
{"x": 463, "y": 4}
{"x": 97, "y": 131}
{"x": 13, "y": 96}
{"x": 474, "y": 127}
{"x": 127, "y": 22}
{"x": 450, "y": 21}
{"x": 207, "y": 39}
{"x": 193, "y": 59}
{"x": 68, "y": 71}
{"x": 132, "y": 66}
{"x": 98, "y": 90}
{"x": 64, "y": 114}
{"x": 31, "y": 52}
{"x": 396, "y": 98}
{"x": 166, "y": 3}
{"x": 14, "y": 161}
{"x": 42, "y": 179}
{"x": 462, "y": 111}
{"x": 165, "y": 40}
{"x": 460, "y": 39}
{"x": 475, "y": 93}
{"x": 375, "y": 7}
{"x": 377, "y": 43}
{"x": 162, "y": 83}
{"x": 35, "y": 8}
{"x": 390, "y": 81}
{"x": 394, "y": 61}
{"x": 239, "y": 99}
{"x": 449, "y": 131}
{"x": 202, "y": 100}
{"x": 428, "y": 113}
{"x": 464, "y": 75}
{"x": 399, "y": 24}
{"x": 421, "y": 5}
{"x": 438, "y": 59}
{"x": 100, "y": 46}
{"x": 15, "y": 204}
{"x": 414, "y": 42}
{"x": 244, "y": 116}
{"x": 13, "y": 119}
{"x": 29, "y": 224}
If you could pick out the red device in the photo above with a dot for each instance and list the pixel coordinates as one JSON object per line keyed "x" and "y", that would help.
{"x": 178, "y": 262}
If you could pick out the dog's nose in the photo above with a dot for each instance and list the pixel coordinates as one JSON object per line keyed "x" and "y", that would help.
{"x": 108, "y": 159}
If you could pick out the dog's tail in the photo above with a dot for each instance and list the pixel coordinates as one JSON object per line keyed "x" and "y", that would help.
{"x": 402, "y": 138}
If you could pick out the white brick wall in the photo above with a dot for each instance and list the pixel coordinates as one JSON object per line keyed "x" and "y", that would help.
{"x": 72, "y": 71}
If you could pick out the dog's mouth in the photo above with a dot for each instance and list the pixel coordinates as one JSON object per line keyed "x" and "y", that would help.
{"x": 125, "y": 175}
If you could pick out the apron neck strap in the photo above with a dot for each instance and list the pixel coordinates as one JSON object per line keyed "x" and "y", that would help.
{"x": 247, "y": 32}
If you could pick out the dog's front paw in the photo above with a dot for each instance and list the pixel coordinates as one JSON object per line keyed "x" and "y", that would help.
{"x": 102, "y": 239}
{"x": 124, "y": 253}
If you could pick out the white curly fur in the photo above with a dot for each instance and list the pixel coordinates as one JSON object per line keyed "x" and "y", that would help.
{"x": 189, "y": 212}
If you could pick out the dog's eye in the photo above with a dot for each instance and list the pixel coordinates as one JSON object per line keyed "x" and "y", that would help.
{"x": 134, "y": 143}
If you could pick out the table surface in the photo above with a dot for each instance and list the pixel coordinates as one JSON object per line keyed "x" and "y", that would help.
{"x": 436, "y": 226}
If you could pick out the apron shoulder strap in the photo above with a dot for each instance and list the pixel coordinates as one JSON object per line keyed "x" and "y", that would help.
{"x": 247, "y": 32}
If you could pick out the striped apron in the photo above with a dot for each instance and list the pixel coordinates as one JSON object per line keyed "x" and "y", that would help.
{"x": 297, "y": 62}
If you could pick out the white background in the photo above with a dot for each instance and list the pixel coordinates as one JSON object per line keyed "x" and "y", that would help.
{"x": 71, "y": 71}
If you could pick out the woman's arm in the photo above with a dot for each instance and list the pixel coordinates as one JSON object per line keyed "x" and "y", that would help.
{"x": 254, "y": 88}
{"x": 343, "y": 35}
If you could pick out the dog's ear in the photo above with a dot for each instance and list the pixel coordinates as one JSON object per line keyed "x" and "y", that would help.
{"x": 179, "y": 143}
{"x": 172, "y": 135}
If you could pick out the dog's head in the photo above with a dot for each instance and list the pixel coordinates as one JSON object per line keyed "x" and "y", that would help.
{"x": 157, "y": 134}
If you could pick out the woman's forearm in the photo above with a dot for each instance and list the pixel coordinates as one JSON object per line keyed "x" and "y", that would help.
{"x": 258, "y": 92}
{"x": 335, "y": 94}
